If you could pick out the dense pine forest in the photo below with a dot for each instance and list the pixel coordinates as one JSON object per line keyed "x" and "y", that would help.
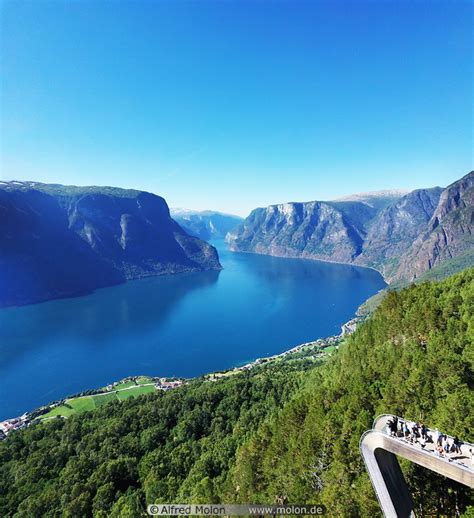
{"x": 287, "y": 432}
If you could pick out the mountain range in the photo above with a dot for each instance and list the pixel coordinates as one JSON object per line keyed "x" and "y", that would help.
{"x": 206, "y": 224}
{"x": 59, "y": 241}
{"x": 401, "y": 234}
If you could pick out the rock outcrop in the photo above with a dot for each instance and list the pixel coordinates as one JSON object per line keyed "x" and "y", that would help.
{"x": 448, "y": 235}
{"x": 395, "y": 228}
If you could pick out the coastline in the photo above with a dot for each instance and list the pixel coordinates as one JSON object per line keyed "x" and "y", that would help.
{"x": 313, "y": 350}
{"x": 309, "y": 258}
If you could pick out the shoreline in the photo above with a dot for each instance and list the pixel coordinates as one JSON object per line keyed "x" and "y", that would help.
{"x": 170, "y": 382}
{"x": 309, "y": 259}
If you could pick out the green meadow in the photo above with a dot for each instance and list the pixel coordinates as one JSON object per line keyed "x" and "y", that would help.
{"x": 85, "y": 403}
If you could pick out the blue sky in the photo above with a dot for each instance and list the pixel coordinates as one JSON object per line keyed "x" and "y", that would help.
{"x": 230, "y": 105}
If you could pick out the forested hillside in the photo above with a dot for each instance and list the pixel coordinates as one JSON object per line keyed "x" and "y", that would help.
{"x": 288, "y": 432}
{"x": 413, "y": 358}
{"x": 171, "y": 446}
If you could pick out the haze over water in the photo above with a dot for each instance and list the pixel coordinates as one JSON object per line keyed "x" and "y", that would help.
{"x": 182, "y": 325}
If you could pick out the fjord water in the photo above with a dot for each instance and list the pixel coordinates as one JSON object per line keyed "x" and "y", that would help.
{"x": 181, "y": 325}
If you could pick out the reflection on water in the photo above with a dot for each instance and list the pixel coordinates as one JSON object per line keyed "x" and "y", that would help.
{"x": 136, "y": 306}
{"x": 177, "y": 325}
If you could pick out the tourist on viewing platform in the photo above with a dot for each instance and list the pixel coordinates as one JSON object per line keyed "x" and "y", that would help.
{"x": 390, "y": 428}
{"x": 406, "y": 431}
{"x": 452, "y": 448}
{"x": 457, "y": 444}
{"x": 424, "y": 432}
{"x": 393, "y": 427}
{"x": 400, "y": 426}
{"x": 439, "y": 439}
{"x": 415, "y": 431}
{"x": 447, "y": 446}
{"x": 442, "y": 439}
{"x": 423, "y": 442}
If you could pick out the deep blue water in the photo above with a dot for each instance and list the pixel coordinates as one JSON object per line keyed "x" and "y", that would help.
{"x": 181, "y": 325}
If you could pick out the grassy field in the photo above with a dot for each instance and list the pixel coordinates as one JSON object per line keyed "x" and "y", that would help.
{"x": 145, "y": 385}
{"x": 126, "y": 384}
{"x": 137, "y": 391}
{"x": 100, "y": 400}
{"x": 75, "y": 406}
{"x": 144, "y": 379}
{"x": 86, "y": 403}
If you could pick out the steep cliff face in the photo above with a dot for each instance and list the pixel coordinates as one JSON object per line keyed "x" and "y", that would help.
{"x": 448, "y": 235}
{"x": 395, "y": 228}
{"x": 57, "y": 241}
{"x": 401, "y": 237}
{"x": 317, "y": 230}
{"x": 206, "y": 224}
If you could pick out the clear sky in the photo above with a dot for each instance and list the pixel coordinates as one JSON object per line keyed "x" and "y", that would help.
{"x": 230, "y": 105}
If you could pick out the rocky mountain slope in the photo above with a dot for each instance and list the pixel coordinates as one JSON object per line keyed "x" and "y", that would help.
{"x": 396, "y": 227}
{"x": 58, "y": 241}
{"x": 317, "y": 230}
{"x": 206, "y": 224}
{"x": 449, "y": 233}
{"x": 401, "y": 236}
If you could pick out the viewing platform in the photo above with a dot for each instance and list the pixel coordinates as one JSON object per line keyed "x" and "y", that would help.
{"x": 380, "y": 448}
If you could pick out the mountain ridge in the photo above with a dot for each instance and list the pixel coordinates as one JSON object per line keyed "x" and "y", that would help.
{"x": 449, "y": 233}
{"x": 378, "y": 235}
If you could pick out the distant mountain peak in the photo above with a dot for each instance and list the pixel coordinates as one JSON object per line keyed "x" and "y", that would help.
{"x": 181, "y": 212}
{"x": 205, "y": 224}
{"x": 374, "y": 195}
